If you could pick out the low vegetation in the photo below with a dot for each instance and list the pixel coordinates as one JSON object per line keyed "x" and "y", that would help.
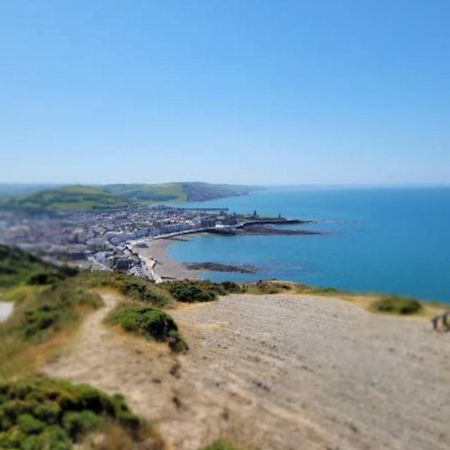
{"x": 17, "y": 266}
{"x": 40, "y": 313}
{"x": 136, "y": 288}
{"x": 220, "y": 445}
{"x": 193, "y": 291}
{"x": 396, "y": 305}
{"x": 148, "y": 322}
{"x": 267, "y": 287}
{"x": 47, "y": 299}
{"x": 41, "y": 413}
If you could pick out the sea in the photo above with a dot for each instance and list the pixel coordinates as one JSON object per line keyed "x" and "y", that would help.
{"x": 386, "y": 240}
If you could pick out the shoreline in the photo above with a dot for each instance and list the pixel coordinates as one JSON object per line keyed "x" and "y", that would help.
{"x": 162, "y": 265}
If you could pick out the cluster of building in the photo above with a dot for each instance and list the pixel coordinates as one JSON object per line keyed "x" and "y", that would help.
{"x": 101, "y": 239}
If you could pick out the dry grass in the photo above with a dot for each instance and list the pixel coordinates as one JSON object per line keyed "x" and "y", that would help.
{"x": 20, "y": 357}
{"x": 231, "y": 435}
{"x": 114, "y": 438}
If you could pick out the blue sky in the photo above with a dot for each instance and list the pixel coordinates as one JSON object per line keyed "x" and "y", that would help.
{"x": 279, "y": 92}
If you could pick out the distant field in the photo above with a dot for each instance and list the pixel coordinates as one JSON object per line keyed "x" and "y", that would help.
{"x": 78, "y": 197}
{"x": 149, "y": 193}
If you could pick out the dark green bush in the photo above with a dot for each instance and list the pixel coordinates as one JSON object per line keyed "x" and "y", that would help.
{"x": 397, "y": 305}
{"x": 148, "y": 322}
{"x": 194, "y": 291}
{"x": 43, "y": 278}
{"x": 41, "y": 413}
{"x": 231, "y": 287}
{"x": 144, "y": 290}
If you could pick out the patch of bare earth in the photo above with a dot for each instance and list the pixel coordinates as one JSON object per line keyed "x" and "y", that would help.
{"x": 279, "y": 371}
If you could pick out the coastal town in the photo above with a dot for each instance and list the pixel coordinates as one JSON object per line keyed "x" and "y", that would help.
{"x": 110, "y": 240}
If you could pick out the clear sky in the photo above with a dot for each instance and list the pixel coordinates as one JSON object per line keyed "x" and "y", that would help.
{"x": 246, "y": 91}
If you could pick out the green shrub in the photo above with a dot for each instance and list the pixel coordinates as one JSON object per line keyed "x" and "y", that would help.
{"x": 148, "y": 322}
{"x": 194, "y": 291}
{"x": 231, "y": 287}
{"x": 43, "y": 278}
{"x": 29, "y": 424}
{"x": 41, "y": 413}
{"x": 144, "y": 290}
{"x": 77, "y": 423}
{"x": 397, "y": 305}
{"x": 324, "y": 290}
{"x": 267, "y": 287}
{"x": 136, "y": 288}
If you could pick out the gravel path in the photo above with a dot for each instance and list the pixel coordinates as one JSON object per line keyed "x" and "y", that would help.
{"x": 283, "y": 372}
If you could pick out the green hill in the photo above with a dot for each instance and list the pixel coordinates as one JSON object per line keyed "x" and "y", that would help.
{"x": 116, "y": 196}
{"x": 197, "y": 192}
{"x": 148, "y": 193}
{"x": 66, "y": 198}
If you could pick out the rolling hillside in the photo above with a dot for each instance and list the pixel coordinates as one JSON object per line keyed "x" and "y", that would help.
{"x": 78, "y": 197}
{"x": 65, "y": 198}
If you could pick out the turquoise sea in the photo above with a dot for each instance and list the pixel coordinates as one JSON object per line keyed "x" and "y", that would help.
{"x": 391, "y": 240}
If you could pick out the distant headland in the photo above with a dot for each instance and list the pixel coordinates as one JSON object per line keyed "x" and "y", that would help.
{"x": 47, "y": 199}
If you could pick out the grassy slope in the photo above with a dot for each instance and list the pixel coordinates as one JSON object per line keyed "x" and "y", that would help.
{"x": 204, "y": 191}
{"x": 50, "y": 301}
{"x": 117, "y": 196}
{"x": 66, "y": 198}
{"x": 149, "y": 193}
{"x": 41, "y": 413}
{"x": 16, "y": 266}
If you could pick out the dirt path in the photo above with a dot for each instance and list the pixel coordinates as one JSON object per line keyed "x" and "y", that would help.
{"x": 286, "y": 372}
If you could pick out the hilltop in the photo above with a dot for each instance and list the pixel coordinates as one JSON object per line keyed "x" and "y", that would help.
{"x": 114, "y": 196}
{"x": 185, "y": 363}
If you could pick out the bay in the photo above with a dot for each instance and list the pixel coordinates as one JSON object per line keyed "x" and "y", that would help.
{"x": 389, "y": 240}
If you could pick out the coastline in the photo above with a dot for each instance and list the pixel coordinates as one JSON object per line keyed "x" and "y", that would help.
{"x": 163, "y": 266}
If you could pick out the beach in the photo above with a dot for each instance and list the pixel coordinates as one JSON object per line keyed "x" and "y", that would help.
{"x": 164, "y": 267}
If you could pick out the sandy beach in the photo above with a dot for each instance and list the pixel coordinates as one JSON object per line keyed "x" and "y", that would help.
{"x": 165, "y": 267}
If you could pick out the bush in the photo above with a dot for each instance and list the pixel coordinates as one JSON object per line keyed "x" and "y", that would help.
{"x": 137, "y": 288}
{"x": 194, "y": 291}
{"x": 148, "y": 322}
{"x": 397, "y": 305}
{"x": 41, "y": 413}
{"x": 144, "y": 291}
{"x": 268, "y": 288}
{"x": 231, "y": 287}
{"x": 43, "y": 278}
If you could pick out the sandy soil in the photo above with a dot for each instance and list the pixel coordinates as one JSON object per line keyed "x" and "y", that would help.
{"x": 166, "y": 267}
{"x": 283, "y": 372}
